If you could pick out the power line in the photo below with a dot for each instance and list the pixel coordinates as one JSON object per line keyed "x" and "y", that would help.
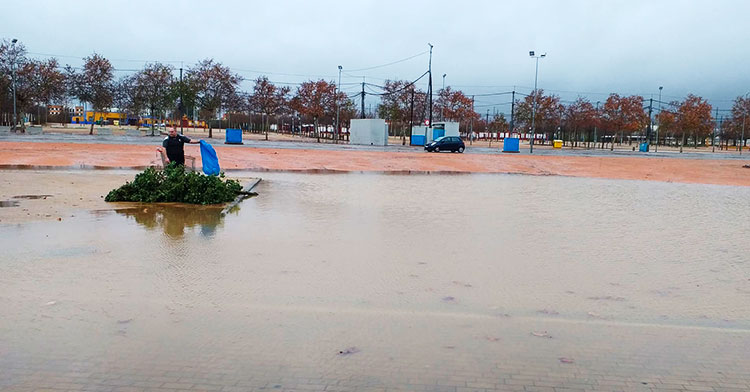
{"x": 391, "y": 63}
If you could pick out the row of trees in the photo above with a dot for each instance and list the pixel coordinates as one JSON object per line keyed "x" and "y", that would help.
{"x": 204, "y": 91}
{"x": 209, "y": 88}
{"x": 616, "y": 119}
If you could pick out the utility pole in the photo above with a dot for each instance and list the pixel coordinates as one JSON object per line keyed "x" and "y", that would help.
{"x": 13, "y": 73}
{"x": 363, "y": 99}
{"x": 744, "y": 114}
{"x": 659, "y": 126}
{"x": 512, "y": 109}
{"x": 411, "y": 117}
{"x": 338, "y": 90}
{"x": 471, "y": 125}
{"x": 742, "y": 138}
{"x": 650, "y": 123}
{"x": 429, "y": 72}
{"x": 182, "y": 106}
{"x": 595, "y": 122}
{"x": 488, "y": 127}
{"x": 716, "y": 123}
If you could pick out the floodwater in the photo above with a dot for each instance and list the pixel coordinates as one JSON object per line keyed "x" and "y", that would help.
{"x": 378, "y": 268}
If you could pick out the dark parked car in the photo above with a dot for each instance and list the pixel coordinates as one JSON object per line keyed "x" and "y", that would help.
{"x": 446, "y": 143}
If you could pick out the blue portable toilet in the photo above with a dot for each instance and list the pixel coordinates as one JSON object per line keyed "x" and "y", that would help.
{"x": 643, "y": 147}
{"x": 233, "y": 136}
{"x": 511, "y": 144}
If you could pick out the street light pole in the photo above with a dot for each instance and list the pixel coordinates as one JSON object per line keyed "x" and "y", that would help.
{"x": 338, "y": 89}
{"x": 13, "y": 76}
{"x": 442, "y": 107}
{"x": 659, "y": 122}
{"x": 744, "y": 114}
{"x": 596, "y": 122}
{"x": 429, "y": 77}
{"x": 535, "y": 97}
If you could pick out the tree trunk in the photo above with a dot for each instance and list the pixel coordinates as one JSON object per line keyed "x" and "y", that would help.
{"x": 93, "y": 117}
{"x": 317, "y": 132}
{"x": 265, "y": 125}
{"x": 210, "y": 130}
{"x": 682, "y": 142}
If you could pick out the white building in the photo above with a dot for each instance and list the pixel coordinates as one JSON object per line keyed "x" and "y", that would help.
{"x": 368, "y": 132}
{"x": 421, "y": 135}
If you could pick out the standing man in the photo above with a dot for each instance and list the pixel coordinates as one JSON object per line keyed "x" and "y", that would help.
{"x": 175, "y": 146}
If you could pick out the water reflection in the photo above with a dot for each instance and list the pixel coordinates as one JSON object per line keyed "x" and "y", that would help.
{"x": 174, "y": 218}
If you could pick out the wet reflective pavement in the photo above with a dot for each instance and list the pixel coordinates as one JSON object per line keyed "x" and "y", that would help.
{"x": 388, "y": 282}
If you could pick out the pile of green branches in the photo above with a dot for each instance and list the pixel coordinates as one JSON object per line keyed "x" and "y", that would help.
{"x": 175, "y": 184}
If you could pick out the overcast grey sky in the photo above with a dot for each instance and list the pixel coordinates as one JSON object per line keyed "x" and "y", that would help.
{"x": 593, "y": 47}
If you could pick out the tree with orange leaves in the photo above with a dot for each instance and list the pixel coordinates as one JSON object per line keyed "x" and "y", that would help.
{"x": 317, "y": 99}
{"x": 623, "y": 115}
{"x": 547, "y": 115}
{"x": 455, "y": 106}
{"x": 580, "y": 115}
{"x": 667, "y": 120}
{"x": 694, "y": 117}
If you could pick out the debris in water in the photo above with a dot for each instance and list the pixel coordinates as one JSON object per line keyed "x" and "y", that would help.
{"x": 449, "y": 299}
{"x": 596, "y": 316}
{"x": 607, "y": 298}
{"x": 31, "y": 197}
{"x": 492, "y": 339}
{"x": 548, "y": 312}
{"x": 349, "y": 351}
{"x": 462, "y": 284}
{"x": 124, "y": 321}
{"x": 542, "y": 334}
{"x": 566, "y": 360}
{"x": 50, "y": 303}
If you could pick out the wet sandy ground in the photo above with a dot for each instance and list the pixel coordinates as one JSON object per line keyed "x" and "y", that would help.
{"x": 699, "y": 171}
{"x": 54, "y": 195}
{"x": 375, "y": 282}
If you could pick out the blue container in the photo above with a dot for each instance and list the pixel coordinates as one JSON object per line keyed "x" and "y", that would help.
{"x": 643, "y": 147}
{"x": 436, "y": 133}
{"x": 234, "y": 136}
{"x": 511, "y": 144}
{"x": 417, "y": 140}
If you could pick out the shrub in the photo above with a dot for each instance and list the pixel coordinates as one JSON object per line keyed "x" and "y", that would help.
{"x": 175, "y": 184}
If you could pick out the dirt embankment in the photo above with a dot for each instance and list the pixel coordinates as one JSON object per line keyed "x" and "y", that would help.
{"x": 702, "y": 171}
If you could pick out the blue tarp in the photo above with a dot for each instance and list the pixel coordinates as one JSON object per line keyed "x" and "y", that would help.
{"x": 210, "y": 160}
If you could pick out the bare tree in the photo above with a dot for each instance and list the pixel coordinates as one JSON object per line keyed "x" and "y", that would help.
{"x": 215, "y": 86}
{"x": 49, "y": 83}
{"x": 95, "y": 84}
{"x": 154, "y": 85}
{"x": 267, "y": 98}
{"x": 315, "y": 99}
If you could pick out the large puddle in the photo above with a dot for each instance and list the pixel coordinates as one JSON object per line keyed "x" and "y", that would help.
{"x": 467, "y": 246}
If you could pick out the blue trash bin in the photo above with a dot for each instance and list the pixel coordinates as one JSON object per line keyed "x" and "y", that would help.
{"x": 233, "y": 136}
{"x": 643, "y": 147}
{"x": 511, "y": 144}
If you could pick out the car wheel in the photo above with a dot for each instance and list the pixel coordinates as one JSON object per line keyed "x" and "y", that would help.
{"x": 436, "y": 149}
{"x": 461, "y": 150}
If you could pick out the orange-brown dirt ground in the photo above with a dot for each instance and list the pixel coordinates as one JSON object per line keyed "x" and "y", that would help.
{"x": 702, "y": 171}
